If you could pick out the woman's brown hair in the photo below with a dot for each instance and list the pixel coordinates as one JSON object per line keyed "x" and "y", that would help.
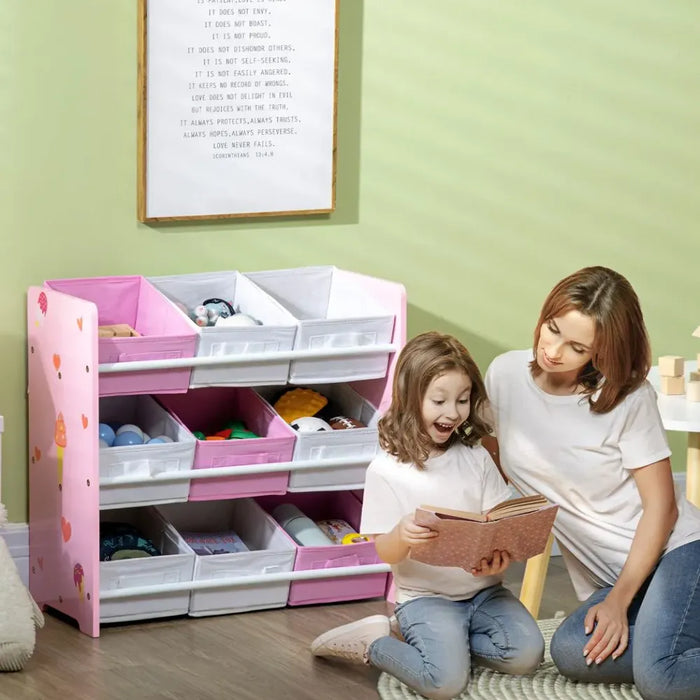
{"x": 423, "y": 358}
{"x": 621, "y": 355}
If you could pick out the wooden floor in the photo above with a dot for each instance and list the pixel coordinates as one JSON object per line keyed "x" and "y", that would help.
{"x": 261, "y": 655}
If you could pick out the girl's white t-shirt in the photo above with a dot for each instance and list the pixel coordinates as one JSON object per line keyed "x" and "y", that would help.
{"x": 583, "y": 461}
{"x": 463, "y": 478}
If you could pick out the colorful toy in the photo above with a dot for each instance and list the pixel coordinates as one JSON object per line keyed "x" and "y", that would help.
{"x": 297, "y": 403}
{"x": 106, "y": 434}
{"x": 310, "y": 424}
{"x": 345, "y": 423}
{"x": 129, "y": 428}
{"x": 128, "y": 437}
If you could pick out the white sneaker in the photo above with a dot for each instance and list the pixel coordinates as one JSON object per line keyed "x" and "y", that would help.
{"x": 351, "y": 641}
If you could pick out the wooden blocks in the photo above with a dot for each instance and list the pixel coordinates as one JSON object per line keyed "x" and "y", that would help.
{"x": 117, "y": 330}
{"x": 672, "y": 385}
{"x": 693, "y": 393}
{"x": 694, "y": 376}
{"x": 671, "y": 370}
{"x": 671, "y": 366}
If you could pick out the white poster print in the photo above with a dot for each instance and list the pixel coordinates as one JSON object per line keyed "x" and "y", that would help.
{"x": 240, "y": 100}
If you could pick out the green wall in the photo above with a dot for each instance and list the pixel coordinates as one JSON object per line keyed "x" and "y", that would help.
{"x": 485, "y": 150}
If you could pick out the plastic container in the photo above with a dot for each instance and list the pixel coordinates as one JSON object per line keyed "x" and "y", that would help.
{"x": 144, "y": 460}
{"x": 174, "y": 565}
{"x": 360, "y": 443}
{"x": 208, "y": 410}
{"x": 275, "y": 333}
{"x": 333, "y": 309}
{"x": 270, "y": 551}
{"x": 164, "y": 332}
{"x": 321, "y": 506}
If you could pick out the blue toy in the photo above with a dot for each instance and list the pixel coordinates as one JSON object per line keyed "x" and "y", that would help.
{"x": 128, "y": 437}
{"x": 106, "y": 434}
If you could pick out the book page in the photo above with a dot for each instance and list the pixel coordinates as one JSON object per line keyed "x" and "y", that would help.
{"x": 516, "y": 506}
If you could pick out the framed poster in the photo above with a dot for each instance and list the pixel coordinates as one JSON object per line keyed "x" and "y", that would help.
{"x": 237, "y": 108}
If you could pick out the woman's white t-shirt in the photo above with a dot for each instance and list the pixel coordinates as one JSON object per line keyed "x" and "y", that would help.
{"x": 463, "y": 478}
{"x": 554, "y": 445}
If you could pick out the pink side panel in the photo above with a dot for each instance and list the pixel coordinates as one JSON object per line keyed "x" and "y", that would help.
{"x": 63, "y": 455}
{"x": 393, "y": 296}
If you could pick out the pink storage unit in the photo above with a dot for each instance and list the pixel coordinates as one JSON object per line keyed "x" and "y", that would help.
{"x": 165, "y": 333}
{"x": 207, "y": 410}
{"x": 319, "y": 506}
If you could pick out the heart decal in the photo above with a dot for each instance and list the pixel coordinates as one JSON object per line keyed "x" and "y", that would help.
{"x": 41, "y": 562}
{"x": 37, "y": 454}
{"x": 65, "y": 529}
{"x": 84, "y": 418}
{"x": 79, "y": 321}
{"x": 57, "y": 361}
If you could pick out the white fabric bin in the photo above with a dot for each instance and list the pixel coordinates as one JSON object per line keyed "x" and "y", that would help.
{"x": 174, "y": 565}
{"x": 361, "y": 443}
{"x": 333, "y": 310}
{"x": 276, "y": 332}
{"x": 271, "y": 551}
{"x": 144, "y": 460}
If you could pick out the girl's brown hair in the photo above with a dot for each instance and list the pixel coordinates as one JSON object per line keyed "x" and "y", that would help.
{"x": 423, "y": 358}
{"x": 621, "y": 355}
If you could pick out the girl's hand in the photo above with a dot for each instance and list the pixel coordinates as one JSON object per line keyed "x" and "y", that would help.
{"x": 608, "y": 622}
{"x": 497, "y": 565}
{"x": 411, "y": 533}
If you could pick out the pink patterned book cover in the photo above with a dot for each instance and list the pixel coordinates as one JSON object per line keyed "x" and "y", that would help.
{"x": 464, "y": 541}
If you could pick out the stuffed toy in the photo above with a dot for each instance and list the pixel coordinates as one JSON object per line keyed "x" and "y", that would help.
{"x": 19, "y": 614}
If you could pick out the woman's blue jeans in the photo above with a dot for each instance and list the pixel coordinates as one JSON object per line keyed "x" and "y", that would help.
{"x": 663, "y": 656}
{"x": 442, "y": 636}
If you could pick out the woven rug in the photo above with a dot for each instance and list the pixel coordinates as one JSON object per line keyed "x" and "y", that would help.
{"x": 545, "y": 684}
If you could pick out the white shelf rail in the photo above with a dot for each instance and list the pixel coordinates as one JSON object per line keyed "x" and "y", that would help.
{"x": 210, "y": 584}
{"x": 238, "y": 359}
{"x": 243, "y": 470}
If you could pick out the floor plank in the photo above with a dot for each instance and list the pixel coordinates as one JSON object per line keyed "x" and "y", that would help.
{"x": 251, "y": 656}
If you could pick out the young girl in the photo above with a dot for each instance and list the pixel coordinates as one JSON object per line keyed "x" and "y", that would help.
{"x": 577, "y": 421}
{"x": 431, "y": 455}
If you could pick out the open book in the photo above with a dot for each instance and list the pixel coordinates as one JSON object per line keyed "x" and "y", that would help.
{"x": 519, "y": 526}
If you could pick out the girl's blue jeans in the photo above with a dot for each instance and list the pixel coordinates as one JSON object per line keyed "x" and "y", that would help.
{"x": 663, "y": 656}
{"x": 443, "y": 636}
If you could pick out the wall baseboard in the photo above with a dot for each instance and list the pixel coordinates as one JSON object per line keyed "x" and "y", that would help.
{"x": 17, "y": 538}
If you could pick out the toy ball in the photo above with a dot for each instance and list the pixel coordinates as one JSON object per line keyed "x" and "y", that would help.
{"x": 155, "y": 441}
{"x": 130, "y": 428}
{"x": 310, "y": 424}
{"x": 160, "y": 438}
{"x": 345, "y": 423}
{"x": 128, "y": 437}
{"x": 104, "y": 444}
{"x": 106, "y": 434}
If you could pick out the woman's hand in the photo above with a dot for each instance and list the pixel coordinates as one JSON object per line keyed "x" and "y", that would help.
{"x": 410, "y": 533}
{"x": 608, "y": 623}
{"x": 499, "y": 562}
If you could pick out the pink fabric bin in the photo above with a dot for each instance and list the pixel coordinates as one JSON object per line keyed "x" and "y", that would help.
{"x": 208, "y": 410}
{"x": 320, "y": 506}
{"x": 165, "y": 333}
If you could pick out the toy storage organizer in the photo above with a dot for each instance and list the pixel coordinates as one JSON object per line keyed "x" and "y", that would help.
{"x": 333, "y": 330}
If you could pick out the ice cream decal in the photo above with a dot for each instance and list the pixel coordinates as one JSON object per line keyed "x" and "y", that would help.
{"x": 60, "y": 440}
{"x": 78, "y": 579}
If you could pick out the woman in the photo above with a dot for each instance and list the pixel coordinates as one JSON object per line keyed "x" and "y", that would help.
{"x": 576, "y": 420}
